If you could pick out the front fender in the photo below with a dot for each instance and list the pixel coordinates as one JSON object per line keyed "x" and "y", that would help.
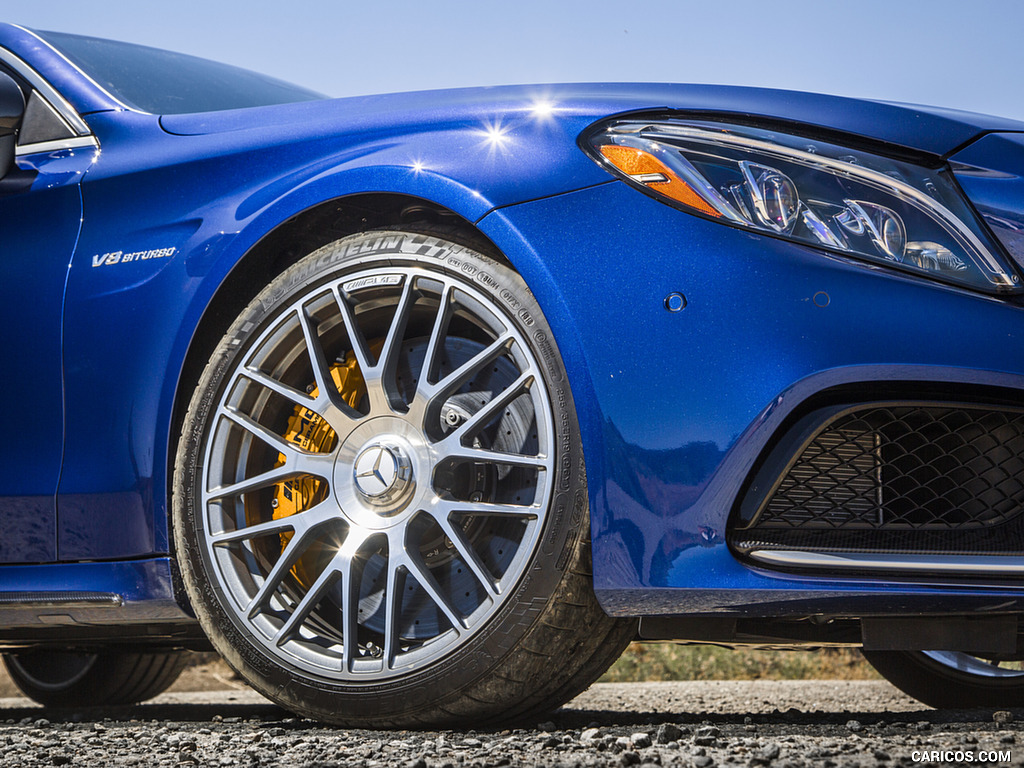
{"x": 167, "y": 219}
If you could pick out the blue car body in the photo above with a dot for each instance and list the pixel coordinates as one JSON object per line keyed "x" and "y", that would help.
{"x": 124, "y": 251}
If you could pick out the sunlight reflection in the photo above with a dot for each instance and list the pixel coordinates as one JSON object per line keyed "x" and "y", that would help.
{"x": 543, "y": 109}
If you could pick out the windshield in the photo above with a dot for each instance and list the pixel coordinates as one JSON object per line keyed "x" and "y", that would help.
{"x": 168, "y": 83}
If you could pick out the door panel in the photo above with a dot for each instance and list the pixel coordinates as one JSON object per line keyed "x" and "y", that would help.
{"x": 41, "y": 213}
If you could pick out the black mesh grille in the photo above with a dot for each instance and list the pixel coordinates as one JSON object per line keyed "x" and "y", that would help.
{"x": 910, "y": 467}
{"x": 913, "y": 477}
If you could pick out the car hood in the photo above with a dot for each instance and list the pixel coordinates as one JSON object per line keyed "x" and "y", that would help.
{"x": 924, "y": 129}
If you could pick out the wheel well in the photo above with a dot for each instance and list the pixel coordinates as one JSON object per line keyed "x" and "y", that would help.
{"x": 289, "y": 242}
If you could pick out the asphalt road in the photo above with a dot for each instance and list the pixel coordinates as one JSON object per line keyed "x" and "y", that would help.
{"x": 801, "y": 724}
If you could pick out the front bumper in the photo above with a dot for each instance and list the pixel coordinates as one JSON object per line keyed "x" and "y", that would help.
{"x": 676, "y": 407}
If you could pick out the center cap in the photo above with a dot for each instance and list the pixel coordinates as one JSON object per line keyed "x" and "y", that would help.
{"x": 381, "y": 473}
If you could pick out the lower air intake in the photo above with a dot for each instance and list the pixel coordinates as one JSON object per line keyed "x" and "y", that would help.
{"x": 906, "y": 467}
{"x": 911, "y": 477}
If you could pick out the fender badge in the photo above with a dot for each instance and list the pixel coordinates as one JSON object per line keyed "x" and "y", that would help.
{"x": 120, "y": 257}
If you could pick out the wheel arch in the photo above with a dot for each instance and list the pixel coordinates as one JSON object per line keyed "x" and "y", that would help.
{"x": 328, "y": 220}
{"x": 285, "y": 244}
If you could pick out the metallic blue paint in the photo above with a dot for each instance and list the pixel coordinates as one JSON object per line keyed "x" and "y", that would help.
{"x": 145, "y": 587}
{"x": 920, "y": 129}
{"x": 40, "y": 195}
{"x": 669, "y": 445}
{"x": 674, "y": 408}
{"x": 991, "y": 173}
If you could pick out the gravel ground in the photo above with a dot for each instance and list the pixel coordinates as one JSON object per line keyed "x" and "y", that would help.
{"x": 807, "y": 724}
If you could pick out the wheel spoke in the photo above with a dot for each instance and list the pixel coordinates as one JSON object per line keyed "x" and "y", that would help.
{"x": 469, "y": 369}
{"x": 295, "y": 548}
{"x": 437, "y": 334}
{"x": 327, "y": 577}
{"x": 388, "y": 359}
{"x": 455, "y": 449}
{"x": 426, "y": 580}
{"x": 296, "y": 464}
{"x": 252, "y": 426}
{"x": 393, "y": 611}
{"x": 315, "y": 464}
{"x": 469, "y": 555}
{"x": 297, "y": 461}
{"x": 254, "y": 483}
{"x": 487, "y": 412}
{"x": 326, "y": 391}
{"x": 447, "y": 508}
{"x": 265, "y": 380}
{"x": 281, "y": 525}
{"x": 360, "y": 349}
{"x": 349, "y": 608}
{"x": 380, "y": 378}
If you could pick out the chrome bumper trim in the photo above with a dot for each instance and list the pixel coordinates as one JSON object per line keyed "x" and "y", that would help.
{"x": 1009, "y": 565}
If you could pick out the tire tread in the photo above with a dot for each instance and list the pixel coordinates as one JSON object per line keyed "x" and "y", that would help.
{"x": 116, "y": 678}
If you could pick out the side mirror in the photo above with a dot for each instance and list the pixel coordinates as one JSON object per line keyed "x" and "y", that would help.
{"x": 12, "y": 109}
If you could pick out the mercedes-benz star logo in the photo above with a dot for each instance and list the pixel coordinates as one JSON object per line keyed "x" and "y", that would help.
{"x": 376, "y": 470}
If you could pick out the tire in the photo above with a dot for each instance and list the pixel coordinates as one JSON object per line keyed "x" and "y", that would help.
{"x": 379, "y": 503}
{"x": 951, "y": 679}
{"x": 64, "y": 679}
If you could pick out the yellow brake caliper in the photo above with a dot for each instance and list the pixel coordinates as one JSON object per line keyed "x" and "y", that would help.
{"x": 308, "y": 431}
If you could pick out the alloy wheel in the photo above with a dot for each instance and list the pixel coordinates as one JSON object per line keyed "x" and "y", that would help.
{"x": 377, "y": 473}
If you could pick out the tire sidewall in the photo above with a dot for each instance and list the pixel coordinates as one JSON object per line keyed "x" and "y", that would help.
{"x": 966, "y": 688}
{"x": 939, "y": 685}
{"x": 564, "y": 525}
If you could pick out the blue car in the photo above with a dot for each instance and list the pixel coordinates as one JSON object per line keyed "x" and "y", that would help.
{"x": 418, "y": 408}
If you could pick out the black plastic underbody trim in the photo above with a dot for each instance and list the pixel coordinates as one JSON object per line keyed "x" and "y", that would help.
{"x": 51, "y": 599}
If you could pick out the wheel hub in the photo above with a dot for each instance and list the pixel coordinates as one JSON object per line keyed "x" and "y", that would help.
{"x": 379, "y": 471}
{"x": 382, "y": 473}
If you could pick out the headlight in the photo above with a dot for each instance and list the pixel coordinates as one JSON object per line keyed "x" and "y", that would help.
{"x": 860, "y": 204}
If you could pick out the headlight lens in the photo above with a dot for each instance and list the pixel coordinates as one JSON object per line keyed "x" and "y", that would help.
{"x": 857, "y": 203}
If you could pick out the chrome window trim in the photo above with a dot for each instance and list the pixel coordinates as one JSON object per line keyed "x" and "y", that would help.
{"x": 64, "y": 109}
{"x": 56, "y": 145}
{"x": 79, "y": 70}
{"x": 1008, "y": 565}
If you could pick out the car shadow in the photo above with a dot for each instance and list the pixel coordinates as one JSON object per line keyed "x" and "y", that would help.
{"x": 28, "y": 714}
{"x": 566, "y": 719}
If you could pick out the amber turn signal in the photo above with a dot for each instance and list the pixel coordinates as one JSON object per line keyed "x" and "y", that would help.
{"x": 646, "y": 169}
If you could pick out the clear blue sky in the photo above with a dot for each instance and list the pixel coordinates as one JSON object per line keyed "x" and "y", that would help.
{"x": 966, "y": 55}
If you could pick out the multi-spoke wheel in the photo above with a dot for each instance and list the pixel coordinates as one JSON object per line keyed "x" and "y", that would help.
{"x": 953, "y": 679}
{"x": 380, "y": 507}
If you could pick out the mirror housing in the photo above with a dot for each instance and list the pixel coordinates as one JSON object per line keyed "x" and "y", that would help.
{"x": 12, "y": 110}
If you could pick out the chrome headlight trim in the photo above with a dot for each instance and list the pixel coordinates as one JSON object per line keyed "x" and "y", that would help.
{"x": 870, "y": 206}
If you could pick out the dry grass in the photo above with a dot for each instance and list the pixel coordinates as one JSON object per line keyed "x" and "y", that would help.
{"x": 665, "y": 661}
